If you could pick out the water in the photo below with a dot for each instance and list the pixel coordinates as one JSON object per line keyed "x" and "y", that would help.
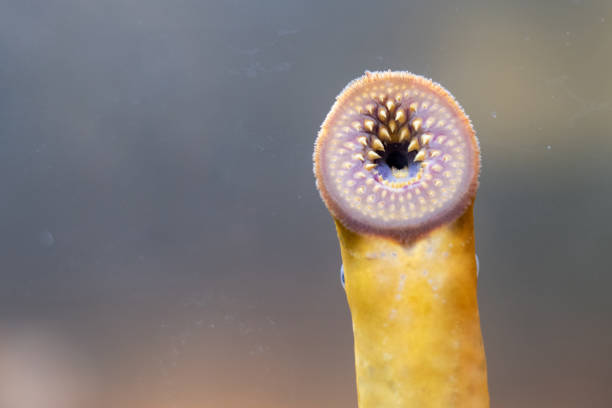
{"x": 159, "y": 209}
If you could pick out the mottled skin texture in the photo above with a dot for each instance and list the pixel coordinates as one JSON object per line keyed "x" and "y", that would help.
{"x": 397, "y": 164}
{"x": 415, "y": 318}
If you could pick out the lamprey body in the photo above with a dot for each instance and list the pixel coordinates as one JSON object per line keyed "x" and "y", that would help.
{"x": 397, "y": 164}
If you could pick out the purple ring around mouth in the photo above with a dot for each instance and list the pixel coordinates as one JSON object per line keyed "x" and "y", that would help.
{"x": 396, "y": 156}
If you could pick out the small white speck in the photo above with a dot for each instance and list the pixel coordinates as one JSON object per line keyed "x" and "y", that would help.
{"x": 494, "y": 115}
{"x": 46, "y": 239}
{"x": 548, "y": 147}
{"x": 400, "y": 286}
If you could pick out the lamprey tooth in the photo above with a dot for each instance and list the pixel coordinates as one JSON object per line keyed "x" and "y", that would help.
{"x": 426, "y": 138}
{"x": 358, "y": 156}
{"x": 420, "y": 156}
{"x": 377, "y": 144}
{"x": 370, "y": 166}
{"x": 413, "y": 107}
{"x": 383, "y": 133}
{"x": 372, "y": 155}
{"x": 416, "y": 124}
{"x": 435, "y": 153}
{"x": 400, "y": 116}
{"x": 382, "y": 114}
{"x": 404, "y": 134}
{"x": 390, "y": 105}
{"x": 370, "y": 108}
{"x": 392, "y": 126}
{"x": 363, "y": 140}
{"x": 368, "y": 124}
{"x": 413, "y": 145}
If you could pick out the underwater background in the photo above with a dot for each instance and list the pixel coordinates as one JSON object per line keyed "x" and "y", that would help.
{"x": 162, "y": 243}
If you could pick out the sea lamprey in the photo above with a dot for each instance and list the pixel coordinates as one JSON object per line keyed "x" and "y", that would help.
{"x": 397, "y": 164}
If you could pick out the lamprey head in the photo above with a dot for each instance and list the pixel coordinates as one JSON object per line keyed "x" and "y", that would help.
{"x": 396, "y": 156}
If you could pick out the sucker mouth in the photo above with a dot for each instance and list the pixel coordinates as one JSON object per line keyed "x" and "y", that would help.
{"x": 396, "y": 151}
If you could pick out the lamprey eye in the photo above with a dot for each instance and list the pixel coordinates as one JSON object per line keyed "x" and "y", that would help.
{"x": 396, "y": 156}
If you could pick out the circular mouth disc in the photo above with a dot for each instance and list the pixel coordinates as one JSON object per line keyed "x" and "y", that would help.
{"x": 396, "y": 156}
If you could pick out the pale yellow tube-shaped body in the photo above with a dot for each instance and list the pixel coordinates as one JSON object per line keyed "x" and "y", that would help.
{"x": 415, "y": 319}
{"x": 397, "y": 164}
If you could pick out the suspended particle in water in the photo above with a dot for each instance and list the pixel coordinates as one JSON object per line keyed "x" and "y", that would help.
{"x": 46, "y": 239}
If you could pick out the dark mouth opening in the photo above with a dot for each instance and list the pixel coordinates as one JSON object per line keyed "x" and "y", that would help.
{"x": 397, "y": 157}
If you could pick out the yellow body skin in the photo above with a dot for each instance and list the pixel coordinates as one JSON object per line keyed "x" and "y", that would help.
{"x": 418, "y": 342}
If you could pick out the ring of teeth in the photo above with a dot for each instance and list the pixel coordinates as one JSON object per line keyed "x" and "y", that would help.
{"x": 378, "y": 126}
{"x": 413, "y": 119}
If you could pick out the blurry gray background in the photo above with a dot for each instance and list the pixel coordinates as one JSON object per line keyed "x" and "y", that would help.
{"x": 162, "y": 243}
